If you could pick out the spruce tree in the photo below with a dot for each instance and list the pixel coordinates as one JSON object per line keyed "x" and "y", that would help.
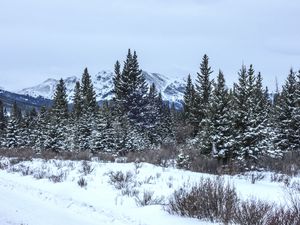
{"x": 41, "y": 129}
{"x": 131, "y": 91}
{"x": 77, "y": 101}
{"x": 60, "y": 102}
{"x": 88, "y": 93}
{"x": 240, "y": 112}
{"x": 203, "y": 92}
{"x": 2, "y": 117}
{"x": 296, "y": 113}
{"x": 56, "y": 126}
{"x": 286, "y": 107}
{"x": 189, "y": 103}
{"x": 116, "y": 80}
{"x": 221, "y": 134}
{"x": 152, "y": 117}
{"x": 2, "y": 125}
{"x": 12, "y": 133}
{"x": 16, "y": 112}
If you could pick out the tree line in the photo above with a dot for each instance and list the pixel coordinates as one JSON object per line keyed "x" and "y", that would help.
{"x": 240, "y": 123}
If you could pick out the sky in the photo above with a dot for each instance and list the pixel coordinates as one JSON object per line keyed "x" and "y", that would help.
{"x": 54, "y": 38}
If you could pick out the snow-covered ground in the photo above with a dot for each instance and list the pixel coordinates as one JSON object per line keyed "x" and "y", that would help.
{"x": 32, "y": 198}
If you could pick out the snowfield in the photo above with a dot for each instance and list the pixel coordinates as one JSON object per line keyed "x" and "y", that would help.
{"x": 40, "y": 192}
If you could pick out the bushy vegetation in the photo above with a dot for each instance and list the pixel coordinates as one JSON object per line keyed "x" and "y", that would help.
{"x": 213, "y": 200}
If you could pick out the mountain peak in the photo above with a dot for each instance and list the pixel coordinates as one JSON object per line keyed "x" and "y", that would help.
{"x": 103, "y": 85}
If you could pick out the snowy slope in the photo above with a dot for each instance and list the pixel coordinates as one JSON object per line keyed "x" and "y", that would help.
{"x": 26, "y": 200}
{"x": 103, "y": 84}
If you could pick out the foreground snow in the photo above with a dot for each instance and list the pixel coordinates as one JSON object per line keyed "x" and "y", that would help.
{"x": 27, "y": 200}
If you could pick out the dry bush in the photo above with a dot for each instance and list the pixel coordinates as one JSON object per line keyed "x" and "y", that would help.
{"x": 256, "y": 177}
{"x": 183, "y": 132}
{"x": 280, "y": 178}
{"x": 288, "y": 164}
{"x": 82, "y": 182}
{"x": 119, "y": 179}
{"x": 210, "y": 199}
{"x": 163, "y": 156}
{"x": 283, "y": 216}
{"x": 147, "y": 199}
{"x": 105, "y": 157}
{"x": 58, "y": 178}
{"x": 214, "y": 201}
{"x": 21, "y": 153}
{"x": 202, "y": 163}
{"x": 86, "y": 168}
{"x": 252, "y": 212}
{"x": 24, "y": 154}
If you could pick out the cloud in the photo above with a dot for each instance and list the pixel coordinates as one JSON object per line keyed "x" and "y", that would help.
{"x": 56, "y": 38}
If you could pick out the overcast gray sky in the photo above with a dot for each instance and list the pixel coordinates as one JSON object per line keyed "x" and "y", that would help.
{"x": 55, "y": 38}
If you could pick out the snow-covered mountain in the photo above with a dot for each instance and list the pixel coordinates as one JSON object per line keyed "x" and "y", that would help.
{"x": 172, "y": 90}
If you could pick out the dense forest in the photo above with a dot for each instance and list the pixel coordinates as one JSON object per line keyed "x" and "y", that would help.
{"x": 242, "y": 123}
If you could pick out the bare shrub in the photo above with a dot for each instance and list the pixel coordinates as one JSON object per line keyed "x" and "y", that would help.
{"x": 21, "y": 153}
{"x": 130, "y": 191}
{"x": 204, "y": 164}
{"x": 14, "y": 161}
{"x": 283, "y": 216}
{"x": 82, "y": 182}
{"x": 40, "y": 174}
{"x": 210, "y": 199}
{"x": 25, "y": 170}
{"x": 252, "y": 212}
{"x": 148, "y": 199}
{"x": 119, "y": 179}
{"x": 289, "y": 215}
{"x": 183, "y": 132}
{"x": 163, "y": 156}
{"x": 86, "y": 168}
{"x": 105, "y": 157}
{"x": 288, "y": 164}
{"x": 280, "y": 178}
{"x": 256, "y": 177}
{"x": 60, "y": 177}
{"x": 137, "y": 166}
{"x": 295, "y": 186}
{"x": 4, "y": 165}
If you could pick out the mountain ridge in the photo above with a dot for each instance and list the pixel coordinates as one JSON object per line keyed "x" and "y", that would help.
{"x": 172, "y": 90}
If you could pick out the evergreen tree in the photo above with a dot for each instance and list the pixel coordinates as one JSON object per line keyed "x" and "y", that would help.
{"x": 287, "y": 137}
{"x": 221, "y": 134}
{"x": 153, "y": 117}
{"x": 2, "y": 123}
{"x": 16, "y": 112}
{"x": 60, "y": 102}
{"x": 77, "y": 101}
{"x": 296, "y": 113}
{"x": 240, "y": 111}
{"x": 56, "y": 131}
{"x": 250, "y": 118}
{"x": 203, "y": 91}
{"x": 41, "y": 131}
{"x": 131, "y": 91}
{"x": 116, "y": 80}
{"x": 28, "y": 128}
{"x": 13, "y": 137}
{"x": 2, "y": 117}
{"x": 189, "y": 102}
{"x": 88, "y": 93}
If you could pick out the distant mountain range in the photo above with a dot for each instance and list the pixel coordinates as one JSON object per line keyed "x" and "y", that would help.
{"x": 172, "y": 90}
{"x": 38, "y": 95}
{"x": 24, "y": 101}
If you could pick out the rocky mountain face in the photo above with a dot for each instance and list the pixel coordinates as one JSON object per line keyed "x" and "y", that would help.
{"x": 172, "y": 90}
{"x": 25, "y": 102}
